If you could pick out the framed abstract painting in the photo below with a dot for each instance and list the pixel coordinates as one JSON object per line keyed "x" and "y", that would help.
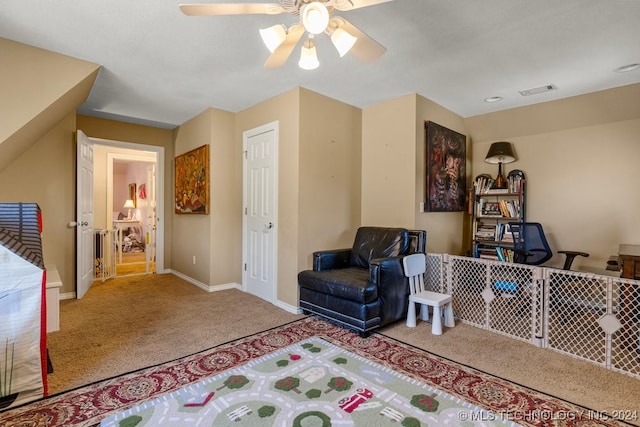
{"x": 446, "y": 156}
{"x": 192, "y": 181}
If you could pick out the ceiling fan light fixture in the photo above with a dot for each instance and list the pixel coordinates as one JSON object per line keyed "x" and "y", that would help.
{"x": 315, "y": 17}
{"x": 342, "y": 41}
{"x": 308, "y": 57}
{"x": 273, "y": 36}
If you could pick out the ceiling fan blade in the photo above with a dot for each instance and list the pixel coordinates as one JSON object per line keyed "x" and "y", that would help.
{"x": 365, "y": 49}
{"x": 282, "y": 52}
{"x": 232, "y": 9}
{"x": 356, "y": 4}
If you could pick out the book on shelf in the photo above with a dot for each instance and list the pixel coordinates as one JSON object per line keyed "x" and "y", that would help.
{"x": 486, "y": 232}
{"x": 482, "y": 184}
{"x": 487, "y": 253}
{"x": 515, "y": 183}
{"x": 509, "y": 208}
{"x": 501, "y": 208}
{"x": 504, "y": 254}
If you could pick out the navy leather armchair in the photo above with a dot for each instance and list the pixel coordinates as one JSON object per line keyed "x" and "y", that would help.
{"x": 362, "y": 287}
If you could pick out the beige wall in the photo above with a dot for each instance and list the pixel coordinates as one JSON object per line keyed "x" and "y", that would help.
{"x": 191, "y": 233}
{"x": 389, "y": 163}
{"x": 226, "y": 201}
{"x": 214, "y": 239}
{"x": 445, "y": 230}
{"x": 318, "y": 177}
{"x": 45, "y": 174}
{"x": 339, "y": 167}
{"x": 580, "y": 156}
{"x": 393, "y": 170}
{"x": 39, "y": 88}
{"x": 330, "y": 175}
{"x": 285, "y": 109}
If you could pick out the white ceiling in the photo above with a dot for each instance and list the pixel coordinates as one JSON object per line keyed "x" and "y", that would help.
{"x": 162, "y": 68}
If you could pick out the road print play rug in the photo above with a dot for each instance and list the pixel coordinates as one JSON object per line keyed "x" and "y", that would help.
{"x": 269, "y": 368}
{"x": 311, "y": 383}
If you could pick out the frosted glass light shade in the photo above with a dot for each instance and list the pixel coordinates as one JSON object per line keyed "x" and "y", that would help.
{"x": 308, "y": 57}
{"x": 342, "y": 41}
{"x": 273, "y": 36}
{"x": 315, "y": 17}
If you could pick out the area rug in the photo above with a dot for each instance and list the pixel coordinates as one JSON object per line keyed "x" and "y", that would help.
{"x": 377, "y": 361}
{"x": 310, "y": 383}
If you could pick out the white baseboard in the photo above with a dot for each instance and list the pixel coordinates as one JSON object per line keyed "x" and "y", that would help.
{"x": 280, "y": 304}
{"x": 68, "y": 295}
{"x": 204, "y": 286}
{"x": 209, "y": 288}
{"x": 288, "y": 307}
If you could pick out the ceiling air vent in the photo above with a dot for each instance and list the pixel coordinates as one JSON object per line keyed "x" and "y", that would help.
{"x": 537, "y": 90}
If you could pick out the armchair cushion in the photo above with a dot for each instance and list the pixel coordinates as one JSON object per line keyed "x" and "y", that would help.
{"x": 377, "y": 242}
{"x": 347, "y": 283}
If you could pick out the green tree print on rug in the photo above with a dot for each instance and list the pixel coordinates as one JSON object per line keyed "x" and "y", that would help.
{"x": 330, "y": 385}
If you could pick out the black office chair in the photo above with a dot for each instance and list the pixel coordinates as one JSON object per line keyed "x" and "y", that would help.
{"x": 531, "y": 247}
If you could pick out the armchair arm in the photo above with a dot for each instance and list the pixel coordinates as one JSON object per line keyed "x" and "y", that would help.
{"x": 393, "y": 287}
{"x": 331, "y": 259}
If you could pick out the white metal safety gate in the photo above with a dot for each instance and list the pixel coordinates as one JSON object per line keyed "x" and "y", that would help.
{"x": 591, "y": 317}
{"x": 105, "y": 254}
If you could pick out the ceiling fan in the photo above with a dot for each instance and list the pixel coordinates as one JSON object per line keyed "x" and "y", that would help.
{"x": 316, "y": 17}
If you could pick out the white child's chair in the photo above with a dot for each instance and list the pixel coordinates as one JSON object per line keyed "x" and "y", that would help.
{"x": 415, "y": 265}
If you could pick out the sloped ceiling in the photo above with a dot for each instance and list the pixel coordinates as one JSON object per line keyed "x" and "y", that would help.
{"x": 161, "y": 67}
{"x": 32, "y": 101}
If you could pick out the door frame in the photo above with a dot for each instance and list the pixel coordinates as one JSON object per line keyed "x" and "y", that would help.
{"x": 272, "y": 126}
{"x": 159, "y": 154}
{"x": 132, "y": 158}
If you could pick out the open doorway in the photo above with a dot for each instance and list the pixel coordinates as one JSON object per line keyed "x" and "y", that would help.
{"x": 132, "y": 208}
{"x": 128, "y": 179}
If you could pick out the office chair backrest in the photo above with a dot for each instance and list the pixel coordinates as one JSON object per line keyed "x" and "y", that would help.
{"x": 530, "y": 243}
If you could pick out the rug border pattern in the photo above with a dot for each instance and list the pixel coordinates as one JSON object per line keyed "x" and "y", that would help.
{"x": 86, "y": 406}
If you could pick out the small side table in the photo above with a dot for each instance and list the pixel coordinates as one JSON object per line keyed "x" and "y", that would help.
{"x": 630, "y": 258}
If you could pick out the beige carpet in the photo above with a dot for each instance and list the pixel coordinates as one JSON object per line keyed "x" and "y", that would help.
{"x": 129, "y": 323}
{"x": 133, "y": 322}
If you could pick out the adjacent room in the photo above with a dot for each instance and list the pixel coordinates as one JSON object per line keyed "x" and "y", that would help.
{"x": 234, "y": 188}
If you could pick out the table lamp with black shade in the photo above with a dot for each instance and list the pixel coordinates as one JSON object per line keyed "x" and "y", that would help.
{"x": 500, "y": 152}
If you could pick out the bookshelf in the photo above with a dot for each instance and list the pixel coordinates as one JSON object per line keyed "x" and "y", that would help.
{"x": 492, "y": 209}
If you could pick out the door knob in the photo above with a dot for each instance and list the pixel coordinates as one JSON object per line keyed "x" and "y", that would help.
{"x": 269, "y": 226}
{"x": 84, "y": 223}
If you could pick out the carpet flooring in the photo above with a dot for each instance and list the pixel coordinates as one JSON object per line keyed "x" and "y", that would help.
{"x": 134, "y": 322}
{"x": 515, "y": 404}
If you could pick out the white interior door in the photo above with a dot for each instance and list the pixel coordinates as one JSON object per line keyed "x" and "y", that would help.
{"x": 85, "y": 241}
{"x": 260, "y": 229}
